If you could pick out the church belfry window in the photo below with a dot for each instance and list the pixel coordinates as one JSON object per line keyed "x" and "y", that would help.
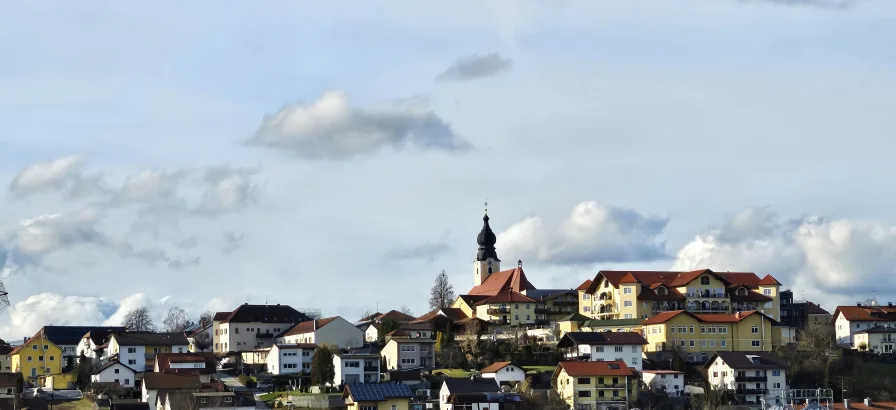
{"x": 489, "y": 266}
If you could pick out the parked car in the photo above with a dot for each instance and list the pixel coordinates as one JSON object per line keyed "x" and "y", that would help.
{"x": 265, "y": 385}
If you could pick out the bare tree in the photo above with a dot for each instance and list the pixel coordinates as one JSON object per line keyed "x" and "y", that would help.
{"x": 206, "y": 318}
{"x": 406, "y": 310}
{"x": 442, "y": 293}
{"x": 451, "y": 357}
{"x": 713, "y": 398}
{"x": 817, "y": 342}
{"x": 138, "y": 320}
{"x": 175, "y": 319}
{"x": 202, "y": 341}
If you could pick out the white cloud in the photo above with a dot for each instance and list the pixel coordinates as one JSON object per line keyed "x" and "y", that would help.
{"x": 64, "y": 174}
{"x": 331, "y": 128}
{"x": 593, "y": 233}
{"x": 150, "y": 186}
{"x": 227, "y": 190}
{"x": 837, "y": 261}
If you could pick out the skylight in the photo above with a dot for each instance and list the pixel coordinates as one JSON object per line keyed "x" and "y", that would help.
{"x": 613, "y": 365}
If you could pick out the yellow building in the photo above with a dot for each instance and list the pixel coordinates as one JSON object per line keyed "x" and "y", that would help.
{"x": 36, "y": 359}
{"x": 505, "y": 308}
{"x": 596, "y": 385}
{"x": 696, "y": 336}
{"x": 393, "y": 396}
{"x": 878, "y": 339}
{"x": 580, "y": 323}
{"x": 644, "y": 294}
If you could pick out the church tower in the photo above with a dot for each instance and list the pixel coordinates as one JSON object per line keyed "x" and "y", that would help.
{"x": 487, "y": 261}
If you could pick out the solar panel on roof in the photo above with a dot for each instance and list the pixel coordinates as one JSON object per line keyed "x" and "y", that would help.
{"x": 613, "y": 365}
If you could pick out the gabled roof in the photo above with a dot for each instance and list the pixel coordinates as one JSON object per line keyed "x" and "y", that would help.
{"x": 154, "y": 381}
{"x": 113, "y": 363}
{"x": 278, "y": 313}
{"x": 494, "y": 367}
{"x": 471, "y": 300}
{"x": 867, "y": 313}
{"x": 586, "y": 369}
{"x": 199, "y": 330}
{"x": 814, "y": 309}
{"x": 376, "y": 391}
{"x": 466, "y": 385}
{"x": 707, "y": 318}
{"x": 220, "y": 316}
{"x": 671, "y": 278}
{"x": 72, "y": 335}
{"x": 769, "y": 280}
{"x": 744, "y": 360}
{"x": 453, "y": 314}
{"x": 574, "y": 317}
{"x": 33, "y": 338}
{"x": 506, "y": 297}
{"x": 150, "y": 339}
{"x": 395, "y": 315}
{"x": 514, "y": 279}
{"x": 164, "y": 361}
{"x": 584, "y": 285}
{"x": 307, "y": 326}
{"x": 571, "y": 339}
{"x": 100, "y": 336}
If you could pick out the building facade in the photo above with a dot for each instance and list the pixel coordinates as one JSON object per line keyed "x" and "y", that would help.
{"x": 251, "y": 327}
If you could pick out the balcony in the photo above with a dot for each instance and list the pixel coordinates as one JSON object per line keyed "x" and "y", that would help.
{"x": 498, "y": 310}
{"x": 708, "y": 295}
{"x": 750, "y": 378}
{"x": 610, "y": 386}
{"x": 371, "y": 369}
{"x": 149, "y": 356}
{"x": 565, "y": 302}
{"x": 541, "y": 310}
{"x": 265, "y": 335}
{"x": 605, "y": 296}
{"x": 751, "y": 391}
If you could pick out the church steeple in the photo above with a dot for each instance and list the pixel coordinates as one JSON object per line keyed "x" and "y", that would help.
{"x": 487, "y": 261}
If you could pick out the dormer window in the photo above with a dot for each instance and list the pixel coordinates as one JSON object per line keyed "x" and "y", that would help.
{"x": 661, "y": 291}
{"x": 704, "y": 280}
{"x": 742, "y": 291}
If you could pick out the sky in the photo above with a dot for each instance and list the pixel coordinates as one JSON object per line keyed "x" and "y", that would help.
{"x": 337, "y": 155}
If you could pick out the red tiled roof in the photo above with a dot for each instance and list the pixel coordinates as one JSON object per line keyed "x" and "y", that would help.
{"x": 628, "y": 278}
{"x": 708, "y": 318}
{"x": 584, "y": 285}
{"x": 164, "y": 361}
{"x": 867, "y": 313}
{"x": 672, "y": 278}
{"x": 514, "y": 279}
{"x": 769, "y": 280}
{"x": 650, "y": 293}
{"x": 507, "y": 297}
{"x": 308, "y": 326}
{"x": 395, "y": 315}
{"x": 751, "y": 296}
{"x": 584, "y": 369}
{"x": 494, "y": 367}
{"x": 664, "y": 317}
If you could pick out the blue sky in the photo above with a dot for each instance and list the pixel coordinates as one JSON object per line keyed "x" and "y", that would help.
{"x": 214, "y": 153}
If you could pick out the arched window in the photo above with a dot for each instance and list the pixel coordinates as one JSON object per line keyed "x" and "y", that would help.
{"x": 742, "y": 291}
{"x": 704, "y": 280}
{"x": 489, "y": 266}
{"x": 661, "y": 291}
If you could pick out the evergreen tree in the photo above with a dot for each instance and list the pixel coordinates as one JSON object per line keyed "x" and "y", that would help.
{"x": 322, "y": 370}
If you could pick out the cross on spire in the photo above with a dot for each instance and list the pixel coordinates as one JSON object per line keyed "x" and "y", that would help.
{"x": 486, "y": 206}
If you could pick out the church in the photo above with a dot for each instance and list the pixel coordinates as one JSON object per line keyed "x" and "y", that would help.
{"x": 506, "y": 297}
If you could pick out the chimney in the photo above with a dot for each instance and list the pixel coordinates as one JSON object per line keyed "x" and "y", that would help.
{"x": 315, "y": 324}
{"x": 846, "y": 403}
{"x": 859, "y": 304}
{"x": 25, "y": 340}
{"x": 890, "y": 304}
{"x": 868, "y": 401}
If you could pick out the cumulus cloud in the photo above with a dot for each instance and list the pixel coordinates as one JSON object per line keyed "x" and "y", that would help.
{"x": 836, "y": 261}
{"x": 64, "y": 174}
{"x": 29, "y": 315}
{"x": 476, "y": 66}
{"x": 331, "y": 128}
{"x": 593, "y": 233}
{"x": 227, "y": 189}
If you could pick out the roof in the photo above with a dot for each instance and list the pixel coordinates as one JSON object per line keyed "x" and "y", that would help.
{"x": 653, "y": 292}
{"x": 744, "y": 360}
{"x": 19, "y": 347}
{"x": 878, "y": 329}
{"x": 612, "y": 322}
{"x": 99, "y": 336}
{"x": 867, "y": 313}
{"x": 278, "y": 313}
{"x": 72, "y": 335}
{"x": 769, "y": 280}
{"x": 506, "y": 297}
{"x": 474, "y": 398}
{"x": 574, "y": 317}
{"x": 220, "y": 316}
{"x": 471, "y": 300}
{"x": 404, "y": 375}
{"x": 164, "y": 361}
{"x": 453, "y": 314}
{"x": 582, "y": 369}
{"x": 706, "y": 318}
{"x": 396, "y": 316}
{"x": 672, "y": 278}
{"x": 546, "y": 294}
{"x": 494, "y": 367}
{"x": 199, "y": 330}
{"x": 662, "y": 371}
{"x": 307, "y": 326}
{"x": 584, "y": 285}
{"x": 571, "y": 339}
{"x": 814, "y": 309}
{"x": 376, "y": 392}
{"x": 514, "y": 279}
{"x": 128, "y": 405}
{"x": 113, "y": 363}
{"x": 467, "y": 385}
{"x": 150, "y": 339}
{"x": 6, "y": 349}
{"x": 154, "y": 381}
{"x": 296, "y": 346}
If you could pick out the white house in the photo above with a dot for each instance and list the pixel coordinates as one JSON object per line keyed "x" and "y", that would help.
{"x": 116, "y": 372}
{"x": 290, "y": 358}
{"x": 178, "y": 400}
{"x": 251, "y": 327}
{"x": 372, "y": 333}
{"x": 153, "y": 382}
{"x": 453, "y": 386}
{"x": 356, "y": 368}
{"x": 332, "y": 330}
{"x": 201, "y": 364}
{"x": 880, "y": 339}
{"x": 670, "y": 381}
{"x": 205, "y": 336}
{"x": 139, "y": 349}
{"x": 604, "y": 347}
{"x": 504, "y": 372}
{"x": 850, "y": 319}
{"x": 754, "y": 375}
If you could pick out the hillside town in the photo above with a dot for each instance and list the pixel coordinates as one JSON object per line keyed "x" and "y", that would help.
{"x": 700, "y": 339}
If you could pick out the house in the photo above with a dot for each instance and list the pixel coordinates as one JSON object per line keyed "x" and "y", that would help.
{"x": 489, "y": 281}
{"x": 584, "y": 298}
{"x": 5, "y": 358}
{"x": 503, "y": 373}
{"x": 457, "y": 386}
{"x": 409, "y": 350}
{"x": 604, "y": 346}
{"x": 580, "y": 323}
{"x": 201, "y": 364}
{"x": 94, "y": 343}
{"x": 256, "y": 357}
{"x": 332, "y": 330}
{"x": 644, "y": 294}
{"x": 138, "y": 349}
{"x": 11, "y": 384}
{"x": 669, "y": 381}
{"x": 200, "y": 339}
{"x": 596, "y": 385}
{"x": 749, "y": 376}
{"x": 115, "y": 372}
{"x": 290, "y": 358}
{"x": 70, "y": 338}
{"x": 850, "y": 319}
{"x": 156, "y": 383}
{"x": 484, "y": 401}
{"x": 878, "y": 339}
{"x": 801, "y": 313}
{"x": 36, "y": 358}
{"x": 443, "y": 320}
{"x": 697, "y": 336}
{"x": 361, "y": 396}
{"x": 188, "y": 400}
{"x": 356, "y": 367}
{"x": 251, "y": 327}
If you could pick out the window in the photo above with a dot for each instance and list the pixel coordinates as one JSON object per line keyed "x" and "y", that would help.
{"x": 627, "y": 290}
{"x": 394, "y": 407}
{"x": 776, "y": 385}
{"x": 682, "y": 329}
{"x": 690, "y": 329}
{"x": 723, "y": 343}
{"x": 754, "y": 343}
{"x": 586, "y": 309}
{"x": 723, "y": 329}
{"x": 516, "y": 317}
{"x": 583, "y": 393}
{"x": 127, "y": 381}
{"x": 634, "y": 349}
{"x": 704, "y": 280}
{"x": 671, "y": 329}
{"x": 228, "y": 400}
{"x": 352, "y": 364}
{"x": 634, "y": 361}
{"x": 627, "y": 303}
{"x": 132, "y": 350}
{"x": 116, "y": 371}
{"x": 599, "y": 349}
{"x": 408, "y": 361}
{"x": 583, "y": 380}
{"x": 693, "y": 343}
{"x": 46, "y": 347}
{"x": 527, "y": 316}
{"x": 306, "y": 353}
{"x": 767, "y": 292}
{"x": 40, "y": 358}
{"x": 29, "y": 358}
{"x": 586, "y": 296}
{"x": 204, "y": 400}
{"x": 408, "y": 348}
{"x": 132, "y": 362}
{"x": 116, "y": 381}
{"x": 617, "y": 349}
{"x": 754, "y": 330}
{"x": 628, "y": 316}
{"x": 52, "y": 358}
{"x": 776, "y": 372}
